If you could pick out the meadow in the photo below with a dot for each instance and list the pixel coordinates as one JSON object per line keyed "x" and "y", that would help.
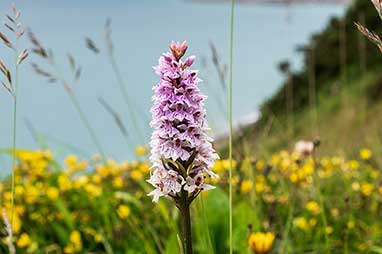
{"x": 308, "y": 205}
{"x": 305, "y": 178}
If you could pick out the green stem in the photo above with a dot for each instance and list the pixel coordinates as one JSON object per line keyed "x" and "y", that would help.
{"x": 346, "y": 251}
{"x": 322, "y": 205}
{"x": 288, "y": 225}
{"x": 15, "y": 92}
{"x": 13, "y": 156}
{"x": 230, "y": 129}
{"x": 323, "y": 218}
{"x": 206, "y": 225}
{"x": 184, "y": 208}
{"x": 125, "y": 95}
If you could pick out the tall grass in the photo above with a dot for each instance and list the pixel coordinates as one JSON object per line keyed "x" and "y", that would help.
{"x": 13, "y": 25}
{"x": 56, "y": 76}
{"x": 129, "y": 103}
{"x": 220, "y": 93}
{"x": 313, "y": 92}
{"x": 230, "y": 127}
{"x": 14, "y": 137}
{"x": 125, "y": 90}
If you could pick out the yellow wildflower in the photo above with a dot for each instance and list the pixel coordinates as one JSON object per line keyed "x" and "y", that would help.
{"x": 71, "y": 160}
{"x": 313, "y": 207}
{"x": 23, "y": 241}
{"x": 69, "y": 249}
{"x": 118, "y": 182}
{"x": 17, "y": 223}
{"x": 141, "y": 150}
{"x": 312, "y": 222}
{"x": 123, "y": 211}
{"x": 308, "y": 169}
{"x": 19, "y": 209}
{"x": 144, "y": 168}
{"x": 80, "y": 182}
{"x": 246, "y": 186}
{"x": 365, "y": 154}
{"x": 98, "y": 238}
{"x": 301, "y": 223}
{"x": 351, "y": 224}
{"x": 260, "y": 186}
{"x": 218, "y": 167}
{"x": 284, "y": 154}
{"x": 293, "y": 178}
{"x": 260, "y": 165}
{"x": 353, "y": 165}
{"x": 374, "y": 174}
{"x": 96, "y": 179}
{"x": 355, "y": 186}
{"x": 136, "y": 175}
{"x": 19, "y": 190}
{"x": 226, "y": 164}
{"x": 82, "y": 165}
{"x": 64, "y": 182}
{"x": 52, "y": 193}
{"x": 124, "y": 165}
{"x": 134, "y": 163}
{"x": 103, "y": 171}
{"x": 93, "y": 190}
{"x": 261, "y": 243}
{"x": 367, "y": 189}
{"x": 76, "y": 240}
{"x": 31, "y": 194}
{"x": 275, "y": 160}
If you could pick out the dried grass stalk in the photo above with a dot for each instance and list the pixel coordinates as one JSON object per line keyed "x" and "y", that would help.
{"x": 22, "y": 56}
{"x": 90, "y": 44}
{"x": 372, "y": 36}
{"x": 6, "y": 41}
{"x": 9, "y": 230}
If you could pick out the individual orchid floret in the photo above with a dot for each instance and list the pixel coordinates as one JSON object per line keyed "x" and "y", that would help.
{"x": 178, "y": 49}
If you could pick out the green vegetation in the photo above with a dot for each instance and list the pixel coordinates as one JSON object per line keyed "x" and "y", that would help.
{"x": 344, "y": 112}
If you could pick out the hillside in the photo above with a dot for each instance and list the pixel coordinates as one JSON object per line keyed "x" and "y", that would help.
{"x": 338, "y": 90}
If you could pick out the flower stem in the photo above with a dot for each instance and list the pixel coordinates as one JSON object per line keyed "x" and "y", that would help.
{"x": 288, "y": 223}
{"x": 15, "y": 92}
{"x": 185, "y": 220}
{"x": 13, "y": 156}
{"x": 322, "y": 205}
{"x": 230, "y": 130}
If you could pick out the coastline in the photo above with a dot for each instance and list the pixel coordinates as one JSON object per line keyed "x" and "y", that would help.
{"x": 266, "y": 2}
{"x": 220, "y": 139}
